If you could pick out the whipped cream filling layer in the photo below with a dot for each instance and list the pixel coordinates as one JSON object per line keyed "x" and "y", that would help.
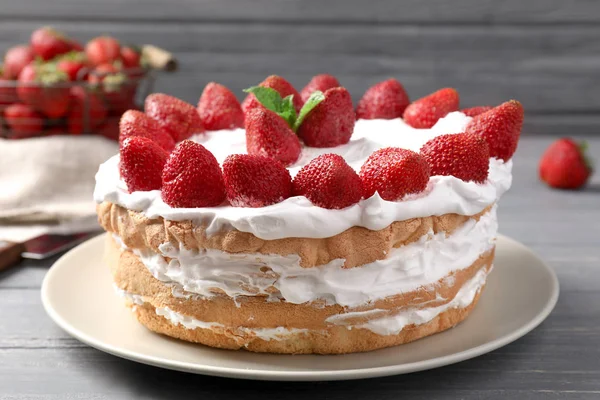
{"x": 392, "y": 325}
{"x": 389, "y": 325}
{"x": 297, "y": 216}
{"x": 176, "y": 318}
{"x": 417, "y": 265}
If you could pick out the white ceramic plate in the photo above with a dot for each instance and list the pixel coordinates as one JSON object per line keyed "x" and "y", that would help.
{"x": 78, "y": 295}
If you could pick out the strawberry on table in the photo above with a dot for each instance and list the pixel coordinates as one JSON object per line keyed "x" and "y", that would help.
{"x": 321, "y": 83}
{"x": 23, "y": 121}
{"x": 564, "y": 165}
{"x": 277, "y": 83}
{"x": 136, "y": 123}
{"x": 255, "y": 181}
{"x": 473, "y": 111}
{"x": 87, "y": 111}
{"x": 141, "y": 164}
{"x": 500, "y": 127}
{"x": 394, "y": 173}
{"x": 328, "y": 182}
{"x": 103, "y": 50}
{"x": 267, "y": 134}
{"x": 176, "y": 116}
{"x": 48, "y": 43}
{"x": 463, "y": 155}
{"x": 426, "y": 111}
{"x": 331, "y": 122}
{"x": 385, "y": 100}
{"x": 15, "y": 59}
{"x": 43, "y": 87}
{"x": 192, "y": 177}
{"x": 218, "y": 108}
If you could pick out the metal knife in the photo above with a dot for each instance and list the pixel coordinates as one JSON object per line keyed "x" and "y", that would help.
{"x": 39, "y": 248}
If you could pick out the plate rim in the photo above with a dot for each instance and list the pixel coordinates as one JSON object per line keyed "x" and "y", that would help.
{"x": 346, "y": 374}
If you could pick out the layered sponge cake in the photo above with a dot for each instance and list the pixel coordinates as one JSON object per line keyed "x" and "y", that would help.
{"x": 289, "y": 226}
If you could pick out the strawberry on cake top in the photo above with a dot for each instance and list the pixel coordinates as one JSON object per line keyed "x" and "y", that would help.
{"x": 193, "y": 186}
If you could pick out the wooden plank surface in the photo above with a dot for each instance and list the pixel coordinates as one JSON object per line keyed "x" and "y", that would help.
{"x": 559, "y": 359}
{"x": 331, "y": 11}
{"x": 543, "y": 53}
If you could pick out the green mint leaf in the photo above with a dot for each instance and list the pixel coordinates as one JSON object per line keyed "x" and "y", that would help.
{"x": 269, "y": 98}
{"x": 314, "y": 99}
{"x": 288, "y": 112}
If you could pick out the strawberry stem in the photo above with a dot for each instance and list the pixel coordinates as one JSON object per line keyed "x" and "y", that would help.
{"x": 583, "y": 146}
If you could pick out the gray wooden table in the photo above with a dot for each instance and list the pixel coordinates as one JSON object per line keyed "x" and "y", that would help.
{"x": 560, "y": 359}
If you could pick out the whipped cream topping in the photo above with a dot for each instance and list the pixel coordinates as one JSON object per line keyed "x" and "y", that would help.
{"x": 297, "y": 216}
{"x": 420, "y": 264}
{"x": 389, "y": 325}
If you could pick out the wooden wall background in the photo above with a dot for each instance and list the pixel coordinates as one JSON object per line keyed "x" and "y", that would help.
{"x": 546, "y": 53}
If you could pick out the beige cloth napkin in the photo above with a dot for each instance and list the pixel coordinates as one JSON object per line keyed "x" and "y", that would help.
{"x": 49, "y": 180}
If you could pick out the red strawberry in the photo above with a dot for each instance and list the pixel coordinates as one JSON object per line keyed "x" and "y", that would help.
{"x": 75, "y": 45}
{"x": 142, "y": 163}
{"x": 71, "y": 64}
{"x": 331, "y": 122}
{"x": 462, "y": 155}
{"x": 328, "y": 182}
{"x": 192, "y": 177}
{"x": 23, "y": 121}
{"x": 564, "y": 165}
{"x": 176, "y": 116}
{"x": 110, "y": 129}
{"x": 473, "y": 111}
{"x": 8, "y": 92}
{"x": 43, "y": 87}
{"x": 87, "y": 111}
{"x": 394, "y": 173}
{"x": 15, "y": 59}
{"x": 283, "y": 87}
{"x": 255, "y": 181}
{"x": 218, "y": 108}
{"x": 136, "y": 123}
{"x": 267, "y": 134}
{"x": 49, "y": 43}
{"x": 103, "y": 50}
{"x": 118, "y": 90}
{"x": 500, "y": 127}
{"x": 426, "y": 111}
{"x": 321, "y": 82}
{"x": 131, "y": 57}
{"x": 103, "y": 71}
{"x": 385, "y": 100}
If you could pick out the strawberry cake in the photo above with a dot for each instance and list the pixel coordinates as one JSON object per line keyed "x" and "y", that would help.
{"x": 297, "y": 223}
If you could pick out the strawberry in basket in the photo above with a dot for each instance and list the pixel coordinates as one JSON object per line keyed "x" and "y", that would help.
{"x": 87, "y": 111}
{"x": 117, "y": 88}
{"x": 74, "y": 64}
{"x": 44, "y": 87}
